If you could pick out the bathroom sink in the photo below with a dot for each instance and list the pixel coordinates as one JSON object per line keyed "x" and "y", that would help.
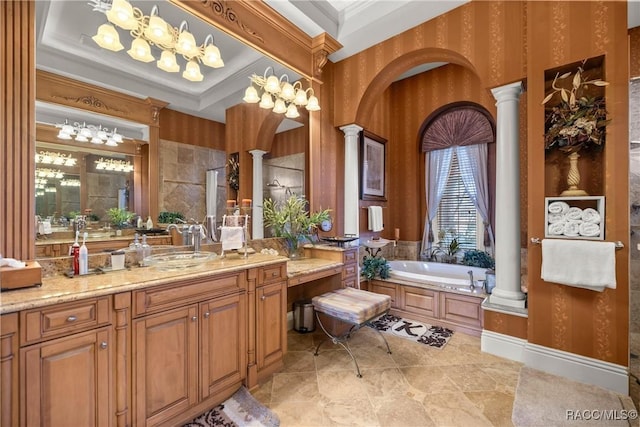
{"x": 379, "y": 243}
{"x": 178, "y": 260}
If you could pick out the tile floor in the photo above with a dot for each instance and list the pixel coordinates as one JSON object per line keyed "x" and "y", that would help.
{"x": 416, "y": 385}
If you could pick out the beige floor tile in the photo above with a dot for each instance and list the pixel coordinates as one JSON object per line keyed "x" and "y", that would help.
{"x": 299, "y": 361}
{"x": 333, "y": 358}
{"x": 263, "y": 392}
{"x": 429, "y": 379}
{"x": 299, "y": 342}
{"x": 495, "y": 406}
{"x": 469, "y": 378}
{"x": 355, "y": 412}
{"x": 454, "y": 409}
{"x": 340, "y": 385}
{"x": 295, "y": 414}
{"x": 294, "y": 387}
{"x": 388, "y": 383}
{"x": 401, "y": 412}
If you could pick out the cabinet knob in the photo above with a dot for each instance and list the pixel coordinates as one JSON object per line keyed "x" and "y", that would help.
{"x": 103, "y": 345}
{"x": 263, "y": 297}
{"x": 72, "y": 318}
{"x": 206, "y": 315}
{"x": 194, "y": 318}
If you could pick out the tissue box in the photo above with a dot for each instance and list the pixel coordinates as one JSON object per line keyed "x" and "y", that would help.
{"x": 16, "y": 278}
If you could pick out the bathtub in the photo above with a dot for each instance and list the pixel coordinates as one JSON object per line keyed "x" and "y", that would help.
{"x": 448, "y": 276}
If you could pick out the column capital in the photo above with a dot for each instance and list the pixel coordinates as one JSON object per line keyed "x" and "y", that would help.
{"x": 257, "y": 153}
{"x": 351, "y": 130}
{"x": 510, "y": 92}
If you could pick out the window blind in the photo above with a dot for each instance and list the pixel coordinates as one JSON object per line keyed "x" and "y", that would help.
{"x": 456, "y": 211}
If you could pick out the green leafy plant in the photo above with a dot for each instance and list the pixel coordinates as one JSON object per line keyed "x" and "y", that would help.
{"x": 169, "y": 217}
{"x": 291, "y": 219}
{"x": 478, "y": 258}
{"x": 373, "y": 267}
{"x": 119, "y": 217}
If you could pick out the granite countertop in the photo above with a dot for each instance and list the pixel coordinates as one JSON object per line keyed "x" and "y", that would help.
{"x": 309, "y": 265}
{"x": 61, "y": 288}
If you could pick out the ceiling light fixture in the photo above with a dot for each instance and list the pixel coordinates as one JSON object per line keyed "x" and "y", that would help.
{"x": 49, "y": 173}
{"x": 287, "y": 96}
{"x": 70, "y": 183}
{"x": 152, "y": 30}
{"x": 114, "y": 165}
{"x": 58, "y": 159}
{"x": 96, "y": 134}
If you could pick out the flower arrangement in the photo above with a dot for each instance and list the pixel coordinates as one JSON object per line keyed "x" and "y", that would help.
{"x": 578, "y": 121}
{"x": 292, "y": 220}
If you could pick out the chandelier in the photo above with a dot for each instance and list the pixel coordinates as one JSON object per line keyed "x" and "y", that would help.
{"x": 96, "y": 134}
{"x": 150, "y": 31}
{"x": 278, "y": 95}
{"x": 58, "y": 159}
{"x": 114, "y": 165}
{"x": 49, "y": 173}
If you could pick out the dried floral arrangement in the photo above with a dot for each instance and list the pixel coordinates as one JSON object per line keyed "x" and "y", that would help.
{"x": 578, "y": 121}
{"x": 233, "y": 175}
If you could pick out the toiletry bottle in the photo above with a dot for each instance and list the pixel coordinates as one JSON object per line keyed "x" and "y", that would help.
{"x": 75, "y": 252}
{"x": 146, "y": 249}
{"x": 149, "y": 223}
{"x": 84, "y": 255}
{"x": 139, "y": 223}
{"x": 138, "y": 248}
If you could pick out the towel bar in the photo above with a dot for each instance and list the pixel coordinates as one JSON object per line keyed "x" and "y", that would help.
{"x": 537, "y": 241}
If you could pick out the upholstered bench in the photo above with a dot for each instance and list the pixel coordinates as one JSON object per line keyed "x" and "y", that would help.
{"x": 352, "y": 306}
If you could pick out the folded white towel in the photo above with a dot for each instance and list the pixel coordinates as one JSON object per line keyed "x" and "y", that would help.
{"x": 375, "y": 218}
{"x": 591, "y": 215}
{"x": 589, "y": 229}
{"x": 572, "y": 228}
{"x": 558, "y": 207}
{"x": 574, "y": 214}
{"x": 557, "y": 228}
{"x": 231, "y": 238}
{"x": 579, "y": 263}
{"x": 555, "y": 217}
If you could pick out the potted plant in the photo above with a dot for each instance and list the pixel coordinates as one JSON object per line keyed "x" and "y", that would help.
{"x": 478, "y": 258}
{"x": 169, "y": 217}
{"x": 449, "y": 251}
{"x": 578, "y": 121}
{"x": 373, "y": 267}
{"x": 291, "y": 219}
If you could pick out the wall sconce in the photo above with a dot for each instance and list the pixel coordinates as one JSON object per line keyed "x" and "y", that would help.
{"x": 96, "y": 134}
{"x": 114, "y": 165}
{"x": 52, "y": 158}
{"x": 150, "y": 31}
{"x": 287, "y": 96}
{"x": 49, "y": 173}
{"x": 70, "y": 183}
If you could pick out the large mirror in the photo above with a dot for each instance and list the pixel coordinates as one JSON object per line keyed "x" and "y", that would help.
{"x": 65, "y": 47}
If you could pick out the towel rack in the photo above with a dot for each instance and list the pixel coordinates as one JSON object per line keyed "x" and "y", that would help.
{"x": 536, "y": 241}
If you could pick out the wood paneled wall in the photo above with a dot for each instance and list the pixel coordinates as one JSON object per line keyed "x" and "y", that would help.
{"x": 188, "y": 129}
{"x": 634, "y": 54}
{"x": 17, "y": 130}
{"x": 293, "y": 141}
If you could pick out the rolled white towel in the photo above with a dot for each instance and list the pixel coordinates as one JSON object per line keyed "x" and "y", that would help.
{"x": 552, "y": 218}
{"x": 558, "y": 207}
{"x": 589, "y": 229}
{"x": 572, "y": 228}
{"x": 574, "y": 214}
{"x": 557, "y": 228}
{"x": 591, "y": 215}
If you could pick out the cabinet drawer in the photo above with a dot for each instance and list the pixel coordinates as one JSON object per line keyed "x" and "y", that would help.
{"x": 349, "y": 270}
{"x": 272, "y": 274}
{"x": 63, "y": 319}
{"x": 351, "y": 282}
{"x": 182, "y": 292}
{"x": 350, "y": 256}
{"x": 461, "y": 309}
{"x": 420, "y": 301}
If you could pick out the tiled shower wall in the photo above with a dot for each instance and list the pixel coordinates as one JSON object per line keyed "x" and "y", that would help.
{"x": 183, "y": 169}
{"x": 634, "y": 202}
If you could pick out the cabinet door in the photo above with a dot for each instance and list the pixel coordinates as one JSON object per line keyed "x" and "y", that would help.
{"x": 385, "y": 288}
{"x": 165, "y": 364}
{"x": 271, "y": 329}
{"x": 222, "y": 343}
{"x": 67, "y": 381}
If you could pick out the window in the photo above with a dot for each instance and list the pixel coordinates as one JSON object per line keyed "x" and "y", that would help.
{"x": 457, "y": 214}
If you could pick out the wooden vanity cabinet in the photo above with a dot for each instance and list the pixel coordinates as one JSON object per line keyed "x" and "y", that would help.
{"x": 66, "y": 361}
{"x": 189, "y": 347}
{"x": 271, "y": 319}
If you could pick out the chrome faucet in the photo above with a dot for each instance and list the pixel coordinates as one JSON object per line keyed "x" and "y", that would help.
{"x": 471, "y": 285}
{"x": 196, "y": 231}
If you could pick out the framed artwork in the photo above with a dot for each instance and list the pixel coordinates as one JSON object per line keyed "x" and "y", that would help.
{"x": 373, "y": 156}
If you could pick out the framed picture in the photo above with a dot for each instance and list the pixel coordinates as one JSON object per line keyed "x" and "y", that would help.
{"x": 373, "y": 153}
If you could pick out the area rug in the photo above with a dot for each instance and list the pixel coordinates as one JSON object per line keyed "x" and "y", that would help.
{"x": 240, "y": 410}
{"x": 433, "y": 336}
{"x": 544, "y": 399}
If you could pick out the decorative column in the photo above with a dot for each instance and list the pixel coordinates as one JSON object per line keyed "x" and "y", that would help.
{"x": 257, "y": 223}
{"x": 507, "y": 232}
{"x": 351, "y": 133}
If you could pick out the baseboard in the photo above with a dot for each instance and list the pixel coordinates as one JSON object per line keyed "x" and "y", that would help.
{"x": 578, "y": 368}
{"x": 502, "y": 345}
{"x": 569, "y": 365}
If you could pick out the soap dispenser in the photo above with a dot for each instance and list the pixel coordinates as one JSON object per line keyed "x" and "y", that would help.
{"x": 146, "y": 249}
{"x": 149, "y": 223}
